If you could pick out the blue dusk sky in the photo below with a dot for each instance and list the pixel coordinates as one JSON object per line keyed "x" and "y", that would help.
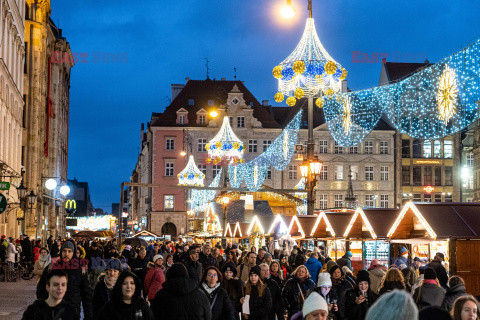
{"x": 136, "y": 49}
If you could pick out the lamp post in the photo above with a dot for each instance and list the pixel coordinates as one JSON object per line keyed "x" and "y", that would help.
{"x": 310, "y": 170}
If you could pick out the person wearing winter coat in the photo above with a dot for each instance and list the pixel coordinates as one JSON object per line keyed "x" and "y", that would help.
{"x": 126, "y": 302}
{"x": 296, "y": 259}
{"x": 167, "y": 262}
{"x": 314, "y": 266}
{"x": 243, "y": 270}
{"x": 314, "y": 308}
{"x": 180, "y": 298}
{"x": 205, "y": 257}
{"x": 324, "y": 287}
{"x": 339, "y": 286}
{"x": 376, "y": 273}
{"x": 55, "y": 249}
{"x": 429, "y": 294}
{"x": 286, "y": 269}
{"x": 79, "y": 292}
{"x": 259, "y": 297}
{"x": 140, "y": 265}
{"x": 103, "y": 289}
{"x": 276, "y": 273}
{"x": 402, "y": 257}
{"x": 456, "y": 290}
{"x": 11, "y": 251}
{"x": 43, "y": 261}
{"x": 440, "y": 270}
{"x": 346, "y": 260}
{"x": 296, "y": 289}
{"x": 220, "y": 303}
{"x": 36, "y": 250}
{"x": 359, "y": 299}
{"x": 27, "y": 249}
{"x": 127, "y": 253}
{"x": 53, "y": 307}
{"x": 275, "y": 291}
{"x": 154, "y": 278}
{"x": 393, "y": 280}
{"x": 395, "y": 305}
{"x": 193, "y": 265}
{"x": 349, "y": 275}
{"x": 232, "y": 285}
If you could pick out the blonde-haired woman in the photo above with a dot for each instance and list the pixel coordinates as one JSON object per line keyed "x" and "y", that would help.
{"x": 260, "y": 298}
{"x": 393, "y": 280}
{"x": 296, "y": 290}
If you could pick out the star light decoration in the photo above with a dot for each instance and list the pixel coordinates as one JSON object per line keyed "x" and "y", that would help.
{"x": 447, "y": 94}
{"x": 308, "y": 71}
{"x": 225, "y": 145}
{"x": 191, "y": 175}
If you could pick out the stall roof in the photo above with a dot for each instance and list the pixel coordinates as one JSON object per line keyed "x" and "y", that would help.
{"x": 229, "y": 230}
{"x": 339, "y": 221}
{"x": 255, "y": 223}
{"x": 284, "y": 222}
{"x": 146, "y": 233}
{"x": 241, "y": 229}
{"x": 302, "y": 225}
{"x": 381, "y": 220}
{"x": 322, "y": 227}
{"x": 355, "y": 226}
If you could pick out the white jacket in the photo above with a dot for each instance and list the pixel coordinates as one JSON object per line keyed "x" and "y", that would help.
{"x": 11, "y": 251}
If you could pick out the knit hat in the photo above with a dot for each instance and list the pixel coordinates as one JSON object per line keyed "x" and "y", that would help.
{"x": 177, "y": 270}
{"x": 128, "y": 247}
{"x": 68, "y": 245}
{"x": 114, "y": 264}
{"x": 330, "y": 264}
{"x": 430, "y": 274}
{"x": 395, "y": 305}
{"x": 363, "y": 275}
{"x": 349, "y": 254}
{"x": 267, "y": 254}
{"x": 255, "y": 270}
{"x": 229, "y": 266}
{"x": 234, "y": 246}
{"x": 157, "y": 256}
{"x": 314, "y": 302}
{"x": 433, "y": 313}
{"x": 324, "y": 279}
{"x": 402, "y": 250}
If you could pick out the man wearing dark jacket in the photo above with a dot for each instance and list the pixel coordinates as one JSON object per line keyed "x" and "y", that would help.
{"x": 78, "y": 288}
{"x": 440, "y": 270}
{"x": 205, "y": 257}
{"x": 194, "y": 267}
{"x": 27, "y": 249}
{"x": 345, "y": 260}
{"x": 180, "y": 298}
{"x": 140, "y": 264}
{"x": 275, "y": 291}
{"x": 456, "y": 290}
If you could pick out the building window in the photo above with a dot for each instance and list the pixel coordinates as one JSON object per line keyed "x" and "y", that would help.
{"x": 384, "y": 173}
{"x": 266, "y": 144}
{"x": 170, "y": 144}
{"x": 203, "y": 168}
{"x": 210, "y": 103}
{"x": 427, "y": 197}
{"x": 406, "y": 148}
{"x": 354, "y": 172}
{"x": 323, "y": 146}
{"x": 240, "y": 122}
{"x": 405, "y": 175}
{"x": 169, "y": 169}
{"x": 181, "y": 119}
{"x": 369, "y": 173}
{"x": 469, "y": 181}
{"x": 417, "y": 148}
{"x": 338, "y": 200}
{"x": 338, "y": 149}
{"x": 448, "y": 149}
{"x": 369, "y": 200}
{"x": 324, "y": 172}
{"x": 438, "y": 197}
{"x": 191, "y": 102}
{"x": 169, "y": 202}
{"x": 252, "y": 146}
{"x": 269, "y": 174}
{"x": 292, "y": 172}
{"x": 368, "y": 147}
{"x": 437, "y": 149}
{"x": 417, "y": 176}
{"x": 384, "y": 200}
{"x": 338, "y": 172}
{"x": 216, "y": 170}
{"x": 448, "y": 176}
{"x": 230, "y": 119}
{"x": 427, "y": 149}
{"x": 201, "y": 119}
{"x": 201, "y": 145}
{"x": 438, "y": 176}
{"x": 469, "y": 159}
{"x": 427, "y": 176}
{"x": 417, "y": 197}
{"x": 323, "y": 201}
{"x": 448, "y": 197}
{"x": 353, "y": 150}
{"x": 383, "y": 147}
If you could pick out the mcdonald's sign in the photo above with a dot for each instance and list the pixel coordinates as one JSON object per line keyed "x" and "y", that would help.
{"x": 70, "y": 206}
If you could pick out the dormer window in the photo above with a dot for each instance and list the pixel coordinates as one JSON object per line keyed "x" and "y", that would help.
{"x": 182, "y": 116}
{"x": 202, "y": 116}
{"x": 201, "y": 119}
{"x": 181, "y": 119}
{"x": 191, "y": 102}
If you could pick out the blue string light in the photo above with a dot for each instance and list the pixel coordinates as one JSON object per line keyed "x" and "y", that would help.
{"x": 199, "y": 199}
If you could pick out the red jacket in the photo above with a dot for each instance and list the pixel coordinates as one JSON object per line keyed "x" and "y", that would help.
{"x": 153, "y": 282}
{"x": 36, "y": 253}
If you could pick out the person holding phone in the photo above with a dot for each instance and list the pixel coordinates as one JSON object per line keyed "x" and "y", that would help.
{"x": 359, "y": 299}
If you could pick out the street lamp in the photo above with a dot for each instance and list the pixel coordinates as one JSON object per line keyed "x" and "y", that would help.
{"x": 288, "y": 11}
{"x": 310, "y": 170}
{"x": 213, "y": 113}
{"x": 21, "y": 190}
{"x": 51, "y": 184}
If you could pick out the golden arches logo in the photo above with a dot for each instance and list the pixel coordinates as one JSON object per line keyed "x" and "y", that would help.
{"x": 71, "y": 204}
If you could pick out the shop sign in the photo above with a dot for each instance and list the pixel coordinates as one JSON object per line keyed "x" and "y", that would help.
{"x": 3, "y": 203}
{"x": 428, "y": 189}
{"x": 4, "y": 185}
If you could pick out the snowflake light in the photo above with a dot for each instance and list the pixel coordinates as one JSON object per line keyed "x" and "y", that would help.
{"x": 447, "y": 94}
{"x": 225, "y": 145}
{"x": 191, "y": 175}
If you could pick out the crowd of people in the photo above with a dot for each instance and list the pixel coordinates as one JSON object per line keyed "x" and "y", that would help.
{"x": 197, "y": 281}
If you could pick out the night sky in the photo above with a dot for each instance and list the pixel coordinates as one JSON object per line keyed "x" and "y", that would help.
{"x": 136, "y": 49}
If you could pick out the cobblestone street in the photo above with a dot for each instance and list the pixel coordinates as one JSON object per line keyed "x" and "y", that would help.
{"x": 15, "y": 297}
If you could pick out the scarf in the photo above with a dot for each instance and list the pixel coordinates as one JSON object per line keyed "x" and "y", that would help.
{"x": 431, "y": 281}
{"x": 208, "y": 289}
{"x": 109, "y": 282}
{"x": 45, "y": 260}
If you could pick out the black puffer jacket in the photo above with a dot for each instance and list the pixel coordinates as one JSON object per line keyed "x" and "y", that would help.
{"x": 354, "y": 311}
{"x": 222, "y": 307}
{"x": 453, "y": 294}
{"x": 292, "y": 297}
{"x": 40, "y": 310}
{"x": 260, "y": 306}
{"x": 234, "y": 288}
{"x": 138, "y": 310}
{"x": 195, "y": 269}
{"x": 207, "y": 261}
{"x": 181, "y": 299}
{"x": 277, "y": 305}
{"x": 101, "y": 295}
{"x": 78, "y": 287}
{"x": 139, "y": 267}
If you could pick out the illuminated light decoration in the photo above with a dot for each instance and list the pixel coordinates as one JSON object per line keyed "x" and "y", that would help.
{"x": 279, "y": 97}
{"x": 301, "y": 209}
{"x": 277, "y": 72}
{"x": 222, "y": 145}
{"x": 411, "y": 206}
{"x": 309, "y": 67}
{"x": 94, "y": 223}
{"x": 300, "y": 229}
{"x": 227, "y": 229}
{"x": 344, "y": 74}
{"x": 319, "y": 102}
{"x": 212, "y": 222}
{"x": 291, "y": 101}
{"x": 418, "y": 105}
{"x": 428, "y": 189}
{"x": 447, "y": 94}
{"x": 299, "y": 93}
{"x": 361, "y": 213}
{"x": 191, "y": 175}
{"x": 347, "y": 115}
{"x": 255, "y": 221}
{"x": 199, "y": 199}
{"x": 278, "y": 220}
{"x": 322, "y": 216}
{"x": 278, "y": 155}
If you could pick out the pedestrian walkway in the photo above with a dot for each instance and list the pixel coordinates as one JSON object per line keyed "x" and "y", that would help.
{"x": 15, "y": 297}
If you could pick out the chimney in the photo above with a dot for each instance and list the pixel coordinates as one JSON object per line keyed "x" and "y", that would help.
{"x": 265, "y": 103}
{"x": 176, "y": 88}
{"x": 187, "y": 79}
{"x": 224, "y": 79}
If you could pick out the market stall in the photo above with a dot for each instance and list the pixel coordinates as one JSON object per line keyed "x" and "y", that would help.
{"x": 301, "y": 226}
{"x": 337, "y": 247}
{"x": 147, "y": 236}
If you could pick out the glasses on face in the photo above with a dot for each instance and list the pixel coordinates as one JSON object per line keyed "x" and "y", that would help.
{"x": 212, "y": 275}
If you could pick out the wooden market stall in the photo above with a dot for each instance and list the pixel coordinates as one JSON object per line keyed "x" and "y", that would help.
{"x": 146, "y": 235}
{"x": 279, "y": 226}
{"x": 336, "y": 247}
{"x": 301, "y": 226}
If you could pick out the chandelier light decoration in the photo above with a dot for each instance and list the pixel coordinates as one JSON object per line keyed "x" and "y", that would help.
{"x": 308, "y": 71}
{"x": 301, "y": 209}
{"x": 225, "y": 145}
{"x": 199, "y": 199}
{"x": 436, "y": 101}
{"x": 191, "y": 175}
{"x": 278, "y": 155}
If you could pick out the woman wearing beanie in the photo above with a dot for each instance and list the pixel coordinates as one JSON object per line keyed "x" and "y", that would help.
{"x": 259, "y": 297}
{"x": 395, "y": 305}
{"x": 154, "y": 278}
{"x": 324, "y": 287}
{"x": 429, "y": 294}
{"x": 296, "y": 289}
{"x": 359, "y": 299}
{"x": 314, "y": 308}
{"x": 276, "y": 273}
{"x": 103, "y": 289}
{"x": 393, "y": 280}
{"x": 339, "y": 286}
{"x": 232, "y": 285}
{"x": 466, "y": 308}
{"x": 220, "y": 303}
